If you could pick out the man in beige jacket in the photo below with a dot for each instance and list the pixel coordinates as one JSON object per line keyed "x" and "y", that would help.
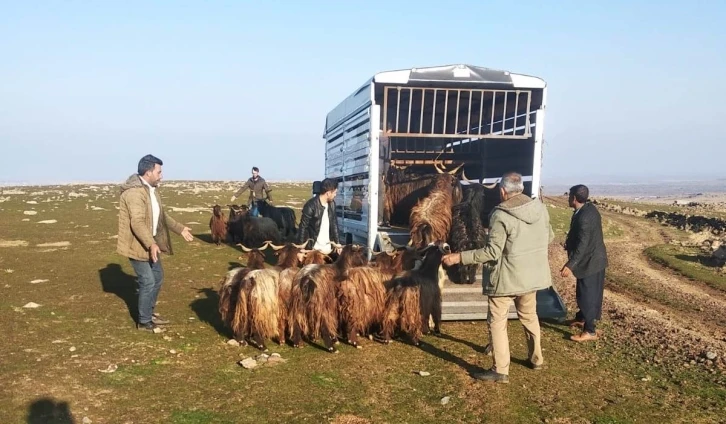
{"x": 143, "y": 234}
{"x": 515, "y": 267}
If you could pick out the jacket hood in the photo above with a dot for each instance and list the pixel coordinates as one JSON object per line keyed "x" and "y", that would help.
{"x": 132, "y": 181}
{"x": 523, "y": 208}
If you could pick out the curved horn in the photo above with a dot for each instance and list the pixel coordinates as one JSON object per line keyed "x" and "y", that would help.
{"x": 274, "y": 246}
{"x": 391, "y": 254}
{"x": 300, "y": 246}
{"x": 336, "y": 245}
{"x": 463, "y": 177}
{"x": 436, "y": 167}
{"x": 374, "y": 254}
{"x": 453, "y": 171}
{"x": 244, "y": 248}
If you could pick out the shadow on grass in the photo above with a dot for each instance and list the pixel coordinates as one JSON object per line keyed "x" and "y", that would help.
{"x": 49, "y": 411}
{"x": 698, "y": 259}
{"x": 115, "y": 280}
{"x": 207, "y": 310}
{"x": 446, "y": 356}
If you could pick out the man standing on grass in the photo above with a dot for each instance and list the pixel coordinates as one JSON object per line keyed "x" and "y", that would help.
{"x": 587, "y": 260}
{"x": 318, "y": 221}
{"x": 256, "y": 185}
{"x": 143, "y": 234}
{"x": 516, "y": 265}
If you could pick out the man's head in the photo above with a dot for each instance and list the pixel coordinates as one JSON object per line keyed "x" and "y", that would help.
{"x": 510, "y": 185}
{"x": 150, "y": 169}
{"x": 328, "y": 190}
{"x": 578, "y": 195}
{"x": 255, "y": 172}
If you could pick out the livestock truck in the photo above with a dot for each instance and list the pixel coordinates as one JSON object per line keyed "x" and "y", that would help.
{"x": 485, "y": 121}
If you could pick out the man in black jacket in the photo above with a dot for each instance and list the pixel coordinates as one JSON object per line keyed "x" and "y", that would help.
{"x": 318, "y": 220}
{"x": 587, "y": 260}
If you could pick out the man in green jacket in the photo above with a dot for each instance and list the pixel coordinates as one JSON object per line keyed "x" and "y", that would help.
{"x": 143, "y": 234}
{"x": 515, "y": 267}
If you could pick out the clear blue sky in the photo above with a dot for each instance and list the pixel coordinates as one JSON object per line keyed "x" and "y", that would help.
{"x": 87, "y": 88}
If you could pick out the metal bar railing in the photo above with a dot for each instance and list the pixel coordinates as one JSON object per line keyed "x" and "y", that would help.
{"x": 505, "y": 115}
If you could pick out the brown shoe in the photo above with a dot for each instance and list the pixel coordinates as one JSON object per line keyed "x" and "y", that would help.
{"x": 584, "y": 337}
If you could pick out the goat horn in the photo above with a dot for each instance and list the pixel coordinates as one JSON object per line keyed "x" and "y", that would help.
{"x": 463, "y": 176}
{"x": 375, "y": 253}
{"x": 336, "y": 245}
{"x": 436, "y": 167}
{"x": 274, "y": 246}
{"x": 300, "y": 246}
{"x": 453, "y": 171}
{"x": 244, "y": 248}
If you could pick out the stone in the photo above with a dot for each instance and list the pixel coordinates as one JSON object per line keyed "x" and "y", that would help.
{"x": 248, "y": 363}
{"x": 711, "y": 356}
{"x": 445, "y": 400}
{"x": 232, "y": 342}
{"x": 86, "y": 420}
{"x": 422, "y": 373}
{"x": 31, "y": 305}
{"x": 72, "y": 349}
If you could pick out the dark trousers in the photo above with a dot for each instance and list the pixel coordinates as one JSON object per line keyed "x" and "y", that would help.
{"x": 255, "y": 208}
{"x": 589, "y": 292}
{"x": 150, "y": 276}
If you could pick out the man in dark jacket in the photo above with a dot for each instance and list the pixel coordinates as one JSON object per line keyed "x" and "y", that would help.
{"x": 587, "y": 260}
{"x": 319, "y": 221}
{"x": 256, "y": 185}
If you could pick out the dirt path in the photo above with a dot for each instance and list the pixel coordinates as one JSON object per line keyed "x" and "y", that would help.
{"x": 653, "y": 307}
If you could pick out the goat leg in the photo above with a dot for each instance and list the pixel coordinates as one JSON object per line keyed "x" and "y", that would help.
{"x": 296, "y": 335}
{"x": 258, "y": 341}
{"x": 328, "y": 341}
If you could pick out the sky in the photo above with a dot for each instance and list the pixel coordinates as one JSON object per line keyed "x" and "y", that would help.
{"x": 635, "y": 90}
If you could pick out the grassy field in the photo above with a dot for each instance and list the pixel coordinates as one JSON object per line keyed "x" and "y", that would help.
{"x": 689, "y": 262}
{"x": 649, "y": 207}
{"x": 54, "y": 356}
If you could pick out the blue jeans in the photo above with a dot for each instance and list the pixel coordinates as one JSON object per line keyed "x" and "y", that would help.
{"x": 150, "y": 276}
{"x": 254, "y": 209}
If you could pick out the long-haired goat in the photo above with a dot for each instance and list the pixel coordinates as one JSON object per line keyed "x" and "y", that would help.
{"x": 218, "y": 225}
{"x": 230, "y": 286}
{"x": 313, "y": 301}
{"x": 414, "y": 296}
{"x": 431, "y": 217}
{"x": 467, "y": 232}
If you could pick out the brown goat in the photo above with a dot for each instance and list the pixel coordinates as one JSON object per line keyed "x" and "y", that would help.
{"x": 230, "y": 287}
{"x": 259, "y": 292}
{"x": 431, "y": 217}
{"x": 414, "y": 296}
{"x": 362, "y": 300}
{"x": 313, "y": 300}
{"x": 218, "y": 225}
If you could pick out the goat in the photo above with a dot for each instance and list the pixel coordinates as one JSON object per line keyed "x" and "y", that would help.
{"x": 218, "y": 225}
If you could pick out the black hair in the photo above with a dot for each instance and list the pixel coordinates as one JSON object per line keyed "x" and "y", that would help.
{"x": 256, "y": 169}
{"x": 147, "y": 163}
{"x": 328, "y": 184}
{"x": 580, "y": 192}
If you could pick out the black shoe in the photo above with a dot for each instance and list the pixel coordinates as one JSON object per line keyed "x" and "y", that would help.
{"x": 491, "y": 375}
{"x": 148, "y": 326}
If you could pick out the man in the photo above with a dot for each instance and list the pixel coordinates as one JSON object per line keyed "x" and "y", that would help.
{"x": 318, "y": 221}
{"x": 587, "y": 260}
{"x": 256, "y": 185}
{"x": 143, "y": 234}
{"x": 515, "y": 267}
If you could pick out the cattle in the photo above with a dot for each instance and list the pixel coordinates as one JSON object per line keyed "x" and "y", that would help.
{"x": 284, "y": 218}
{"x": 414, "y": 296}
{"x": 218, "y": 225}
{"x": 313, "y": 301}
{"x": 229, "y": 309}
{"x": 467, "y": 231}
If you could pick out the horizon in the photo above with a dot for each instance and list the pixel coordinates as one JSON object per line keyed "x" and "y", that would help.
{"x": 86, "y": 89}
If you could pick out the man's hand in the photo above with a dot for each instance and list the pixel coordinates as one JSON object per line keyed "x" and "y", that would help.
{"x": 154, "y": 250}
{"x": 451, "y": 259}
{"x": 187, "y": 234}
{"x": 231, "y": 199}
{"x": 566, "y": 272}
